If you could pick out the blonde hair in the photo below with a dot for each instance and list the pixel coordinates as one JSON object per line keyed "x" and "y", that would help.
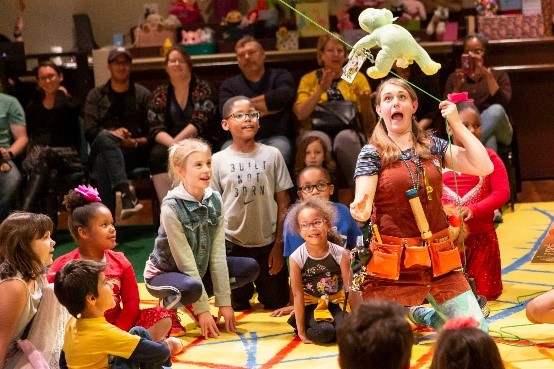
{"x": 179, "y": 153}
{"x": 380, "y": 139}
{"x": 322, "y": 41}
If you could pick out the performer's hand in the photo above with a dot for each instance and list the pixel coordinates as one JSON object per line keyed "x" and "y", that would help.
{"x": 449, "y": 111}
{"x": 360, "y": 210}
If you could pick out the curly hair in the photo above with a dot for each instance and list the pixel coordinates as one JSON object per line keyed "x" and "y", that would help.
{"x": 325, "y": 209}
{"x": 81, "y": 211}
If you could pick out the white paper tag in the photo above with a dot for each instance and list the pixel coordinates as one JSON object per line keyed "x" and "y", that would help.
{"x": 353, "y": 66}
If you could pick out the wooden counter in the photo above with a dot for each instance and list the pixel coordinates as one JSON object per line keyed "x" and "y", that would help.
{"x": 529, "y": 63}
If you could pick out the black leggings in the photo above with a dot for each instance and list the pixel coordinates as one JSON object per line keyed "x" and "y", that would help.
{"x": 320, "y": 332}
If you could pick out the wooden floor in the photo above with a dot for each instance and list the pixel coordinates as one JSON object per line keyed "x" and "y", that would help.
{"x": 536, "y": 191}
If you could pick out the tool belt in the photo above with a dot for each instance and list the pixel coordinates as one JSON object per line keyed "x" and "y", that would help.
{"x": 440, "y": 254}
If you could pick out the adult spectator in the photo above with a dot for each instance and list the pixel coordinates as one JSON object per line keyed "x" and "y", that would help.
{"x": 271, "y": 91}
{"x": 116, "y": 126}
{"x": 325, "y": 84}
{"x": 54, "y": 140}
{"x": 182, "y": 108}
{"x": 13, "y": 140}
{"x": 489, "y": 88}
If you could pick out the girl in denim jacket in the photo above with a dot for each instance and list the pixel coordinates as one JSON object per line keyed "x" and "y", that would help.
{"x": 189, "y": 261}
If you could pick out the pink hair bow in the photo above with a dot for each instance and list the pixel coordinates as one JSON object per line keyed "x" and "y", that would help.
{"x": 461, "y": 322}
{"x": 458, "y": 97}
{"x": 88, "y": 193}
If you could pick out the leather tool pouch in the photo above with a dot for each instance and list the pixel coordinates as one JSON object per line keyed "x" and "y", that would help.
{"x": 385, "y": 262}
{"x": 445, "y": 257}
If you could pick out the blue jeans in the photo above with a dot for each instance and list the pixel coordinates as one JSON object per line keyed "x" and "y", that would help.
{"x": 121, "y": 363}
{"x": 463, "y": 305}
{"x": 175, "y": 285}
{"x": 495, "y": 127}
{"x": 282, "y": 143}
{"x": 9, "y": 183}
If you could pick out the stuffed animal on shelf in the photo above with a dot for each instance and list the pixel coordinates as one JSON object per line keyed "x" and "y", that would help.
{"x": 486, "y": 7}
{"x": 191, "y": 37}
{"x": 397, "y": 44}
{"x": 437, "y": 24}
{"x": 413, "y": 10}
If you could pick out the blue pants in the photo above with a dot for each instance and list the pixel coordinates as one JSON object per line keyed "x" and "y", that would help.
{"x": 173, "y": 285}
{"x": 495, "y": 127}
{"x": 121, "y": 363}
{"x": 9, "y": 184}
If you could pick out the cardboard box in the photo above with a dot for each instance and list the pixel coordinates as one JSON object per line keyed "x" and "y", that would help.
{"x": 511, "y": 26}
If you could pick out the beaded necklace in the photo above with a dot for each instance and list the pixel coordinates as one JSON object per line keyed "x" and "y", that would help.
{"x": 415, "y": 178}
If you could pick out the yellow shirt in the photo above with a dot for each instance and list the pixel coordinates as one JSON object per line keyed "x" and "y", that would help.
{"x": 309, "y": 83}
{"x": 88, "y": 342}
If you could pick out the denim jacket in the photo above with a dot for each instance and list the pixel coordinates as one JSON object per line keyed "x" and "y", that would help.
{"x": 200, "y": 222}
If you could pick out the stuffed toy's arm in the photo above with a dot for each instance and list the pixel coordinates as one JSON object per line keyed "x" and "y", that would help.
{"x": 366, "y": 42}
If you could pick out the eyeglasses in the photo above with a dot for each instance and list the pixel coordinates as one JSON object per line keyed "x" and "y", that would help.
{"x": 176, "y": 61}
{"x": 318, "y": 223}
{"x": 321, "y": 186}
{"x": 47, "y": 77}
{"x": 240, "y": 117}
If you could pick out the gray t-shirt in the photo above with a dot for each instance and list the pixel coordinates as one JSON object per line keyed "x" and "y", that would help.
{"x": 248, "y": 183}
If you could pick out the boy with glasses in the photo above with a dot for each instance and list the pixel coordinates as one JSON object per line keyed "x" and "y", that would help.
{"x": 253, "y": 181}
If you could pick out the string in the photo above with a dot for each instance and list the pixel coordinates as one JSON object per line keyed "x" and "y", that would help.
{"x": 369, "y": 56}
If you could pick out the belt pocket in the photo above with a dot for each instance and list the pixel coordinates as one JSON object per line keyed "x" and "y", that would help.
{"x": 385, "y": 262}
{"x": 445, "y": 258}
{"x": 416, "y": 256}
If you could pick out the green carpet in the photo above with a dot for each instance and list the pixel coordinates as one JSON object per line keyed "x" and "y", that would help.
{"x": 135, "y": 241}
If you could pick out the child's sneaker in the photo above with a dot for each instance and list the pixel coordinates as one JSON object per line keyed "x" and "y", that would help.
{"x": 177, "y": 329}
{"x": 190, "y": 312}
{"x": 129, "y": 205}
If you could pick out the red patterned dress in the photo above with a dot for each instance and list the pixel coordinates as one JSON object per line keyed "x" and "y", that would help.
{"x": 482, "y": 195}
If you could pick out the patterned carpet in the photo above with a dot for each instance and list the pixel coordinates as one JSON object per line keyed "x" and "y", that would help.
{"x": 263, "y": 342}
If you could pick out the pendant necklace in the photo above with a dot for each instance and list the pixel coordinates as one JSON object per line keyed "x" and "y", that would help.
{"x": 418, "y": 170}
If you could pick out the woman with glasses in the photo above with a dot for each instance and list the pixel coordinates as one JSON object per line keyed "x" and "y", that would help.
{"x": 325, "y": 84}
{"x": 489, "y": 88}
{"x": 180, "y": 109}
{"x": 54, "y": 140}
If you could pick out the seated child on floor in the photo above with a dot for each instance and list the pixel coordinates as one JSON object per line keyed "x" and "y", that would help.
{"x": 462, "y": 345}
{"x": 90, "y": 223}
{"x": 375, "y": 335}
{"x": 315, "y": 181}
{"x": 85, "y": 291}
{"x": 319, "y": 273}
{"x": 189, "y": 264}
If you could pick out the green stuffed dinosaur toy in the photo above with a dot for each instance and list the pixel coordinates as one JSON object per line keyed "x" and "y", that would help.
{"x": 396, "y": 43}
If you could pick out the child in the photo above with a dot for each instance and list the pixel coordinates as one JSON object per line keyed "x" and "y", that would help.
{"x": 253, "y": 181}
{"x": 314, "y": 181}
{"x": 313, "y": 151}
{"x": 91, "y": 226}
{"x": 479, "y": 197}
{"x": 375, "y": 335}
{"x": 319, "y": 273}
{"x": 25, "y": 250}
{"x": 188, "y": 263}
{"x": 461, "y": 345}
{"x": 84, "y": 289}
